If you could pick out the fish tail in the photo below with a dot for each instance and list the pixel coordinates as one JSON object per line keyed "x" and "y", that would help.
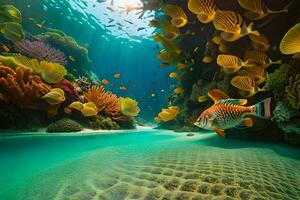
{"x": 263, "y": 108}
{"x": 278, "y": 62}
{"x": 250, "y": 29}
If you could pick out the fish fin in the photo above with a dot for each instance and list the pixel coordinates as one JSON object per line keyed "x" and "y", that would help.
{"x": 250, "y": 29}
{"x": 234, "y": 101}
{"x": 220, "y": 132}
{"x": 216, "y": 95}
{"x": 263, "y": 108}
{"x": 248, "y": 122}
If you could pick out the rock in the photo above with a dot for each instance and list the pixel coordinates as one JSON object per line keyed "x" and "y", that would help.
{"x": 190, "y": 134}
{"x": 64, "y": 125}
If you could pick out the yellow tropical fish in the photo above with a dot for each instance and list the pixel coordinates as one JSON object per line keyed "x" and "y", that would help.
{"x": 258, "y": 73}
{"x": 290, "y": 42}
{"x": 175, "y": 75}
{"x": 170, "y": 32}
{"x": 169, "y": 46}
{"x": 55, "y": 96}
{"x": 204, "y": 9}
{"x": 259, "y": 42}
{"x": 202, "y": 99}
{"x": 232, "y": 25}
{"x": 231, "y": 63}
{"x": 207, "y": 59}
{"x": 228, "y": 113}
{"x": 259, "y": 58}
{"x": 217, "y": 40}
{"x": 246, "y": 85}
{"x": 179, "y": 18}
{"x": 256, "y": 9}
{"x": 179, "y": 90}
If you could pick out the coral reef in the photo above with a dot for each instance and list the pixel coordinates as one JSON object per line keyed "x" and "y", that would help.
{"x": 82, "y": 85}
{"x": 277, "y": 81}
{"x": 71, "y": 48}
{"x": 69, "y": 90}
{"x": 41, "y": 51}
{"x": 100, "y": 122}
{"x": 22, "y": 88}
{"x": 292, "y": 91}
{"x": 106, "y": 102}
{"x": 52, "y": 72}
{"x": 64, "y": 125}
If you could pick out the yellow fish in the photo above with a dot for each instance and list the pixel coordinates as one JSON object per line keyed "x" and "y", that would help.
{"x": 232, "y": 25}
{"x": 170, "y": 32}
{"x": 256, "y": 9}
{"x": 246, "y": 85}
{"x": 259, "y": 58}
{"x": 55, "y": 96}
{"x": 178, "y": 90}
{"x": 259, "y": 42}
{"x": 204, "y": 9}
{"x": 202, "y": 99}
{"x": 175, "y": 75}
{"x": 231, "y": 64}
{"x": 179, "y": 18}
{"x": 208, "y": 59}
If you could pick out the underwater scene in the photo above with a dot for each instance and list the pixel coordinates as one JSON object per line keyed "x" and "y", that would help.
{"x": 149, "y": 99}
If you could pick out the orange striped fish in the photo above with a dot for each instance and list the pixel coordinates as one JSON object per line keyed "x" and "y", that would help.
{"x": 227, "y": 113}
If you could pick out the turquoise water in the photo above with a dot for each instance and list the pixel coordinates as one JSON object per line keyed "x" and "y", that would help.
{"x": 146, "y": 165}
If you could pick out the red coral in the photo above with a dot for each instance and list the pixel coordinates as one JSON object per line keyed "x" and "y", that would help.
{"x": 106, "y": 102}
{"x": 69, "y": 89}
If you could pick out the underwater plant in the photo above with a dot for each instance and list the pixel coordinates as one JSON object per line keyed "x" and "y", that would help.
{"x": 106, "y": 102}
{"x": 292, "y": 91}
{"x": 55, "y": 96}
{"x": 22, "y": 88}
{"x": 41, "y": 51}
{"x": 64, "y": 125}
{"x": 129, "y": 107}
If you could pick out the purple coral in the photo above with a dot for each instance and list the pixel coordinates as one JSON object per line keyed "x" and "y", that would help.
{"x": 41, "y": 51}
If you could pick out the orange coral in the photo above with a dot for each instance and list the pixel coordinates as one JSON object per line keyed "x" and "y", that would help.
{"x": 22, "y": 88}
{"x": 106, "y": 102}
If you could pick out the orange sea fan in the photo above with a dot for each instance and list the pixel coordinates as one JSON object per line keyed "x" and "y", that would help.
{"x": 106, "y": 102}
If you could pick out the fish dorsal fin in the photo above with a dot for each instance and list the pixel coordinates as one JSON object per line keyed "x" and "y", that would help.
{"x": 216, "y": 95}
{"x": 239, "y": 102}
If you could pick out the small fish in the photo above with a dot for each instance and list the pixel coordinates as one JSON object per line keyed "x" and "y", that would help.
{"x": 197, "y": 49}
{"x": 128, "y": 21}
{"x": 71, "y": 58}
{"x": 208, "y": 59}
{"x": 112, "y": 25}
{"x": 164, "y": 64}
{"x": 202, "y": 99}
{"x": 246, "y": 84}
{"x": 39, "y": 25}
{"x": 142, "y": 28}
{"x": 110, "y": 9}
{"x": 204, "y": 9}
{"x": 105, "y": 81}
{"x": 175, "y": 75}
{"x": 178, "y": 90}
{"x": 122, "y": 88}
{"x": 110, "y": 20}
{"x": 101, "y": 1}
{"x": 231, "y": 64}
{"x": 228, "y": 113}
{"x": 4, "y": 48}
{"x": 118, "y": 75}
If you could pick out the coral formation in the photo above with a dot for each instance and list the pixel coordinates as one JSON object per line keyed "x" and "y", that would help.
{"x": 106, "y": 102}
{"x": 69, "y": 90}
{"x": 277, "y": 81}
{"x": 22, "y": 88}
{"x": 70, "y": 47}
{"x": 168, "y": 114}
{"x": 64, "y": 125}
{"x": 129, "y": 107}
{"x": 52, "y": 72}
{"x": 40, "y": 51}
{"x": 100, "y": 122}
{"x": 292, "y": 91}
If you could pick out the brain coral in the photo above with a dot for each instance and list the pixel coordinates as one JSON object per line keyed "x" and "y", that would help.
{"x": 292, "y": 91}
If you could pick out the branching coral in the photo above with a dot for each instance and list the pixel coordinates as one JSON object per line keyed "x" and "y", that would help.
{"x": 41, "y": 51}
{"x": 106, "y": 102}
{"x": 22, "y": 88}
{"x": 292, "y": 91}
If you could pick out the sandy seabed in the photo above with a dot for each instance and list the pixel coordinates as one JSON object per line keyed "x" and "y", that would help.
{"x": 173, "y": 169}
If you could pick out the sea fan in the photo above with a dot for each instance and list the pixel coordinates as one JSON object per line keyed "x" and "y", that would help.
{"x": 41, "y": 51}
